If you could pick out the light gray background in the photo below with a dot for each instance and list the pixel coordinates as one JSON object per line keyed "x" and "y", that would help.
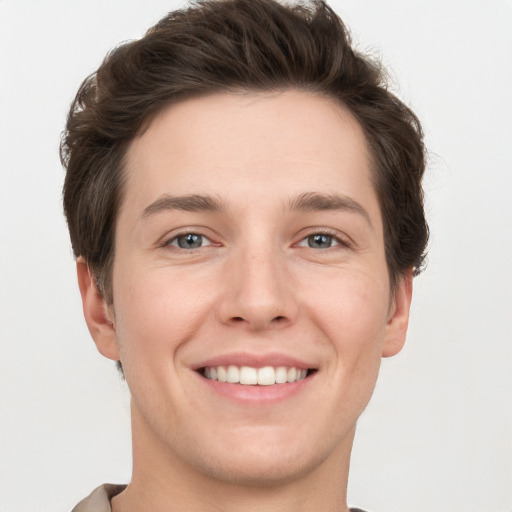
{"x": 437, "y": 435}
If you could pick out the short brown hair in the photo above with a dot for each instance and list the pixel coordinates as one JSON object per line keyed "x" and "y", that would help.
{"x": 236, "y": 45}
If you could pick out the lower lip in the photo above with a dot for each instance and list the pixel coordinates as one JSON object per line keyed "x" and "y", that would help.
{"x": 257, "y": 395}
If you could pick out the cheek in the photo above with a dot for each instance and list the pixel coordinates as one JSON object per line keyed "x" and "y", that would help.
{"x": 155, "y": 315}
{"x": 351, "y": 310}
{"x": 352, "y": 307}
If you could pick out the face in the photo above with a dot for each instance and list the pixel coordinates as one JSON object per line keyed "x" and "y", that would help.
{"x": 252, "y": 301}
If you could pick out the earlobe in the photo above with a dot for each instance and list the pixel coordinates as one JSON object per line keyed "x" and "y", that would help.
{"x": 97, "y": 312}
{"x": 398, "y": 321}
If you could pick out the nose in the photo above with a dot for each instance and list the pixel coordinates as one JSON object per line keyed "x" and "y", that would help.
{"x": 258, "y": 290}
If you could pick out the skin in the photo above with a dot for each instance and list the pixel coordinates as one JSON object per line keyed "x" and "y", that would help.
{"x": 255, "y": 288}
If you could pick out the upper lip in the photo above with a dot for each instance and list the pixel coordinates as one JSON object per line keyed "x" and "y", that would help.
{"x": 254, "y": 360}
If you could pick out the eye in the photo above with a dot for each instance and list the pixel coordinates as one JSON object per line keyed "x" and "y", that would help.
{"x": 320, "y": 241}
{"x": 189, "y": 241}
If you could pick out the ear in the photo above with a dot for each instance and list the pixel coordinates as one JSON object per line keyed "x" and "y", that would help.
{"x": 98, "y": 315}
{"x": 398, "y": 319}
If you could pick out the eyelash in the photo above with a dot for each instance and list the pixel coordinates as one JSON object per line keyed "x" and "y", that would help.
{"x": 340, "y": 241}
{"x": 173, "y": 242}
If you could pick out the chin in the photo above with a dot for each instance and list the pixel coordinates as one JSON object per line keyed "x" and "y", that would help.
{"x": 269, "y": 462}
{"x": 262, "y": 471}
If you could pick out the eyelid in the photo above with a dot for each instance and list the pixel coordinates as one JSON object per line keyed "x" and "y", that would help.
{"x": 340, "y": 238}
{"x": 170, "y": 240}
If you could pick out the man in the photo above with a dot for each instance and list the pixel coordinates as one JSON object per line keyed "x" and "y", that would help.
{"x": 244, "y": 201}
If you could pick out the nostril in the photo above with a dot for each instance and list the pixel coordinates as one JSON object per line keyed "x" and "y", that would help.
{"x": 280, "y": 319}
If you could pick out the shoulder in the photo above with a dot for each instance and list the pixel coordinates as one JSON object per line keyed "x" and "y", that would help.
{"x": 99, "y": 499}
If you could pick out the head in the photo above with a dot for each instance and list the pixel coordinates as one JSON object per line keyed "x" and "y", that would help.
{"x": 242, "y": 190}
{"x": 235, "y": 46}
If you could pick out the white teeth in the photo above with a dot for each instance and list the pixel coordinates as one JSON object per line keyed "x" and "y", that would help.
{"x": 266, "y": 376}
{"x": 281, "y": 375}
{"x": 222, "y": 374}
{"x": 249, "y": 376}
{"x": 233, "y": 374}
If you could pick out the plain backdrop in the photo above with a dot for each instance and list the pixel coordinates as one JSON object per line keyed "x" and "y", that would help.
{"x": 438, "y": 432}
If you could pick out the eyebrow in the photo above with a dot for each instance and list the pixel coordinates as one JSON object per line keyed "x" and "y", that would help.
{"x": 315, "y": 202}
{"x": 307, "y": 202}
{"x": 188, "y": 203}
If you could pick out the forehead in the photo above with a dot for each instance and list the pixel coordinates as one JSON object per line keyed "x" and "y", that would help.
{"x": 240, "y": 145}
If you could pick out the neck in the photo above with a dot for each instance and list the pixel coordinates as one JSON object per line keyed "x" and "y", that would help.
{"x": 161, "y": 478}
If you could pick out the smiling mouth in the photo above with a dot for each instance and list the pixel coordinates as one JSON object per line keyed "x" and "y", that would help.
{"x": 250, "y": 376}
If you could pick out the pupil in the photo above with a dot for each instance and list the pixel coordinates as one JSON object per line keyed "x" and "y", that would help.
{"x": 320, "y": 241}
{"x": 190, "y": 241}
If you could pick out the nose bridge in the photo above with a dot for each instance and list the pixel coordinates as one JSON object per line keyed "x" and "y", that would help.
{"x": 258, "y": 291}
